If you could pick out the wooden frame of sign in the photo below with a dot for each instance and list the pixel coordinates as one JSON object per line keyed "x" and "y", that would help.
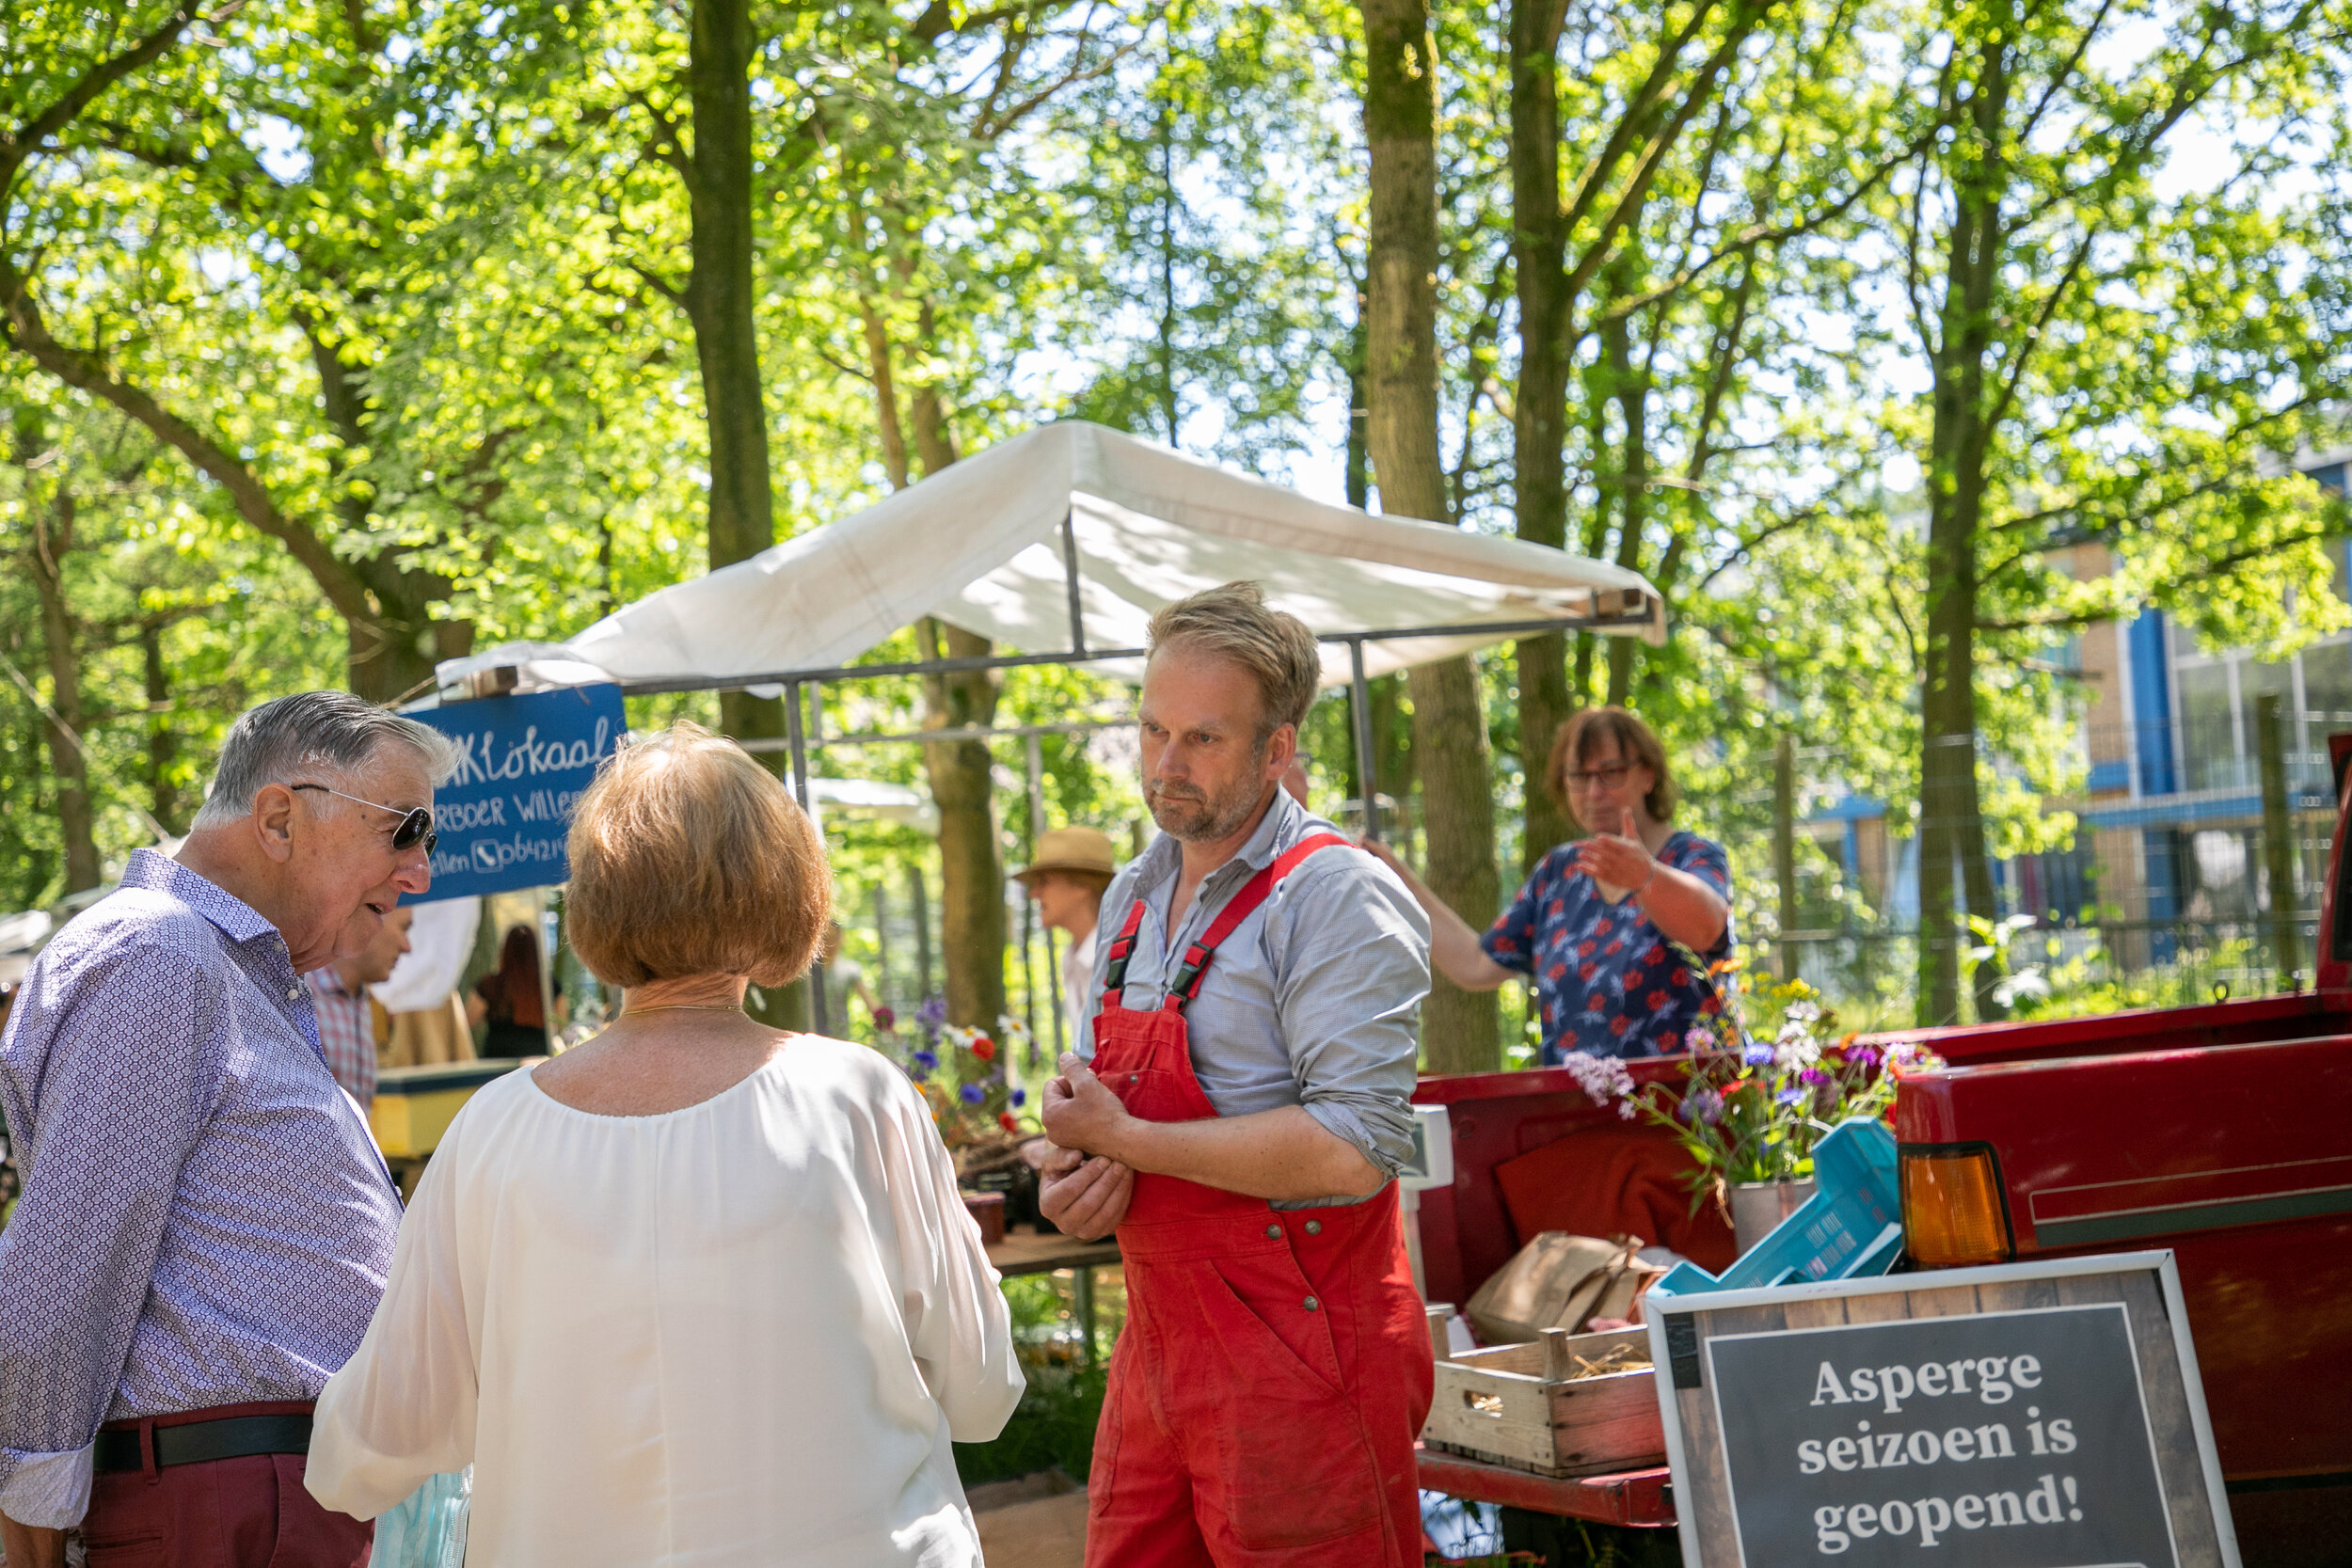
{"x": 2044, "y": 1415}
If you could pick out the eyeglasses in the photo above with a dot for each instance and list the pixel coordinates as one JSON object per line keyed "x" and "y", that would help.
{"x": 416, "y": 826}
{"x": 1608, "y": 777}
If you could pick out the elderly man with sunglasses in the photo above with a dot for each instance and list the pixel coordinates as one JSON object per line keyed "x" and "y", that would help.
{"x": 206, "y": 1226}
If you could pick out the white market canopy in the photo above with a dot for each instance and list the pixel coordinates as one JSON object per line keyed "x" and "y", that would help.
{"x": 982, "y": 546}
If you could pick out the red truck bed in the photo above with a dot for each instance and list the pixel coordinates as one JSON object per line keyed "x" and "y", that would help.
{"x": 2224, "y": 1134}
{"x": 2221, "y": 1131}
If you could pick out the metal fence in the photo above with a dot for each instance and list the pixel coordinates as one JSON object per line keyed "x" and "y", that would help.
{"x": 2192, "y": 864}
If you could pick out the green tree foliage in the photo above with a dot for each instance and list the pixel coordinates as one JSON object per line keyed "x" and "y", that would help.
{"x": 342, "y": 338}
{"x": 2113, "y": 347}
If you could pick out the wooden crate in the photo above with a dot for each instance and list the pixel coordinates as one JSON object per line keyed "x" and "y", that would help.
{"x": 1517, "y": 1405}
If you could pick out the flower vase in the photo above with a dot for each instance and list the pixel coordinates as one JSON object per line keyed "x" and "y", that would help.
{"x": 1757, "y": 1207}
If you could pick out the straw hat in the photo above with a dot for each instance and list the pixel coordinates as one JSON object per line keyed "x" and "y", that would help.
{"x": 1082, "y": 851}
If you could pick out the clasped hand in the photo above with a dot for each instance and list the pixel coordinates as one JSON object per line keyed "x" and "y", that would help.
{"x": 1084, "y": 1194}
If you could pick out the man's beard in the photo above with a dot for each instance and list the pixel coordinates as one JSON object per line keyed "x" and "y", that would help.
{"x": 1190, "y": 817}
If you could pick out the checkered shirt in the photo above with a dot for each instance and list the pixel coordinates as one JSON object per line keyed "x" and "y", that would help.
{"x": 346, "y": 1033}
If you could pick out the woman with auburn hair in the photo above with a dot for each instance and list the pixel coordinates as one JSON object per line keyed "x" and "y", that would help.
{"x": 1608, "y": 925}
{"x": 696, "y": 1290}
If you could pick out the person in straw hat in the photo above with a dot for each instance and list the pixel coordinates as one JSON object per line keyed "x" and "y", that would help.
{"x": 1072, "y": 867}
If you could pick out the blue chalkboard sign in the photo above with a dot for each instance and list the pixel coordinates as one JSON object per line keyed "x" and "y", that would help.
{"x": 522, "y": 764}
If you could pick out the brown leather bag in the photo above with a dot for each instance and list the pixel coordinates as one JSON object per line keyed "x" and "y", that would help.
{"x": 1560, "y": 1280}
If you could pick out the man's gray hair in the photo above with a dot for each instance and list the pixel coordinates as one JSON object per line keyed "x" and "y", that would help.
{"x": 281, "y": 740}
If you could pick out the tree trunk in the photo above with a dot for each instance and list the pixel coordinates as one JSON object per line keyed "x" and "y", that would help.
{"x": 971, "y": 893}
{"x": 1169, "y": 412}
{"x": 1952, "y": 823}
{"x": 163, "y": 745}
{"x": 721, "y": 295}
{"x": 1631, "y": 389}
{"x": 1358, "y": 456}
{"x": 53, "y": 541}
{"x": 1595, "y": 529}
{"x": 973, "y": 928}
{"x": 1460, "y": 1030}
{"x": 1540, "y": 502}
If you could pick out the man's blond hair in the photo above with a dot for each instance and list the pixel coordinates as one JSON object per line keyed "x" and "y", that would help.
{"x": 1233, "y": 622}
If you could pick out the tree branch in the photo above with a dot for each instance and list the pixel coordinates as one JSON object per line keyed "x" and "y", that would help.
{"x": 20, "y": 143}
{"x": 22, "y": 324}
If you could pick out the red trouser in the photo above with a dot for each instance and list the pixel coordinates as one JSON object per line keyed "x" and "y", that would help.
{"x": 250, "y": 1512}
{"x": 1275, "y": 1369}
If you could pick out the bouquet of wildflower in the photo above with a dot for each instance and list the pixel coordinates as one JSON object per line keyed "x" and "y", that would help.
{"x": 962, "y": 1072}
{"x": 1751, "y": 1106}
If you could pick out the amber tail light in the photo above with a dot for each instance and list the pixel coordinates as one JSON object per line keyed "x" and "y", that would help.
{"x": 1954, "y": 1211}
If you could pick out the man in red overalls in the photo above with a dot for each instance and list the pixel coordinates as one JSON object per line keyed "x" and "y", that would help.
{"x": 1241, "y": 1125}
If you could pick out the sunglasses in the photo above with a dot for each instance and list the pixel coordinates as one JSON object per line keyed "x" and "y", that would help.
{"x": 416, "y": 826}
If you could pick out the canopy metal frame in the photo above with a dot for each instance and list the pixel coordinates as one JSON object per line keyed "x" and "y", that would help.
{"x": 799, "y": 743}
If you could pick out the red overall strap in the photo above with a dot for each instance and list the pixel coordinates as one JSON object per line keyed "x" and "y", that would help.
{"x": 1115, "y": 976}
{"x": 1187, "y": 985}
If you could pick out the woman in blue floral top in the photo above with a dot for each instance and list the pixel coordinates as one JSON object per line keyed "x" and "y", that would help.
{"x": 1602, "y": 923}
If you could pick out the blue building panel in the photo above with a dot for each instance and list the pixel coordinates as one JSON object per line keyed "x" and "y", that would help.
{"x": 2152, "y": 703}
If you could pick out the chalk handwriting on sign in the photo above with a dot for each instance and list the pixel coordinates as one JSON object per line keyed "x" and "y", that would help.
{"x": 522, "y": 764}
{"x": 2003, "y": 1440}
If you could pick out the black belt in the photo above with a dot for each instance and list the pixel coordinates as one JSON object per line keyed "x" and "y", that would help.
{"x": 197, "y": 1442}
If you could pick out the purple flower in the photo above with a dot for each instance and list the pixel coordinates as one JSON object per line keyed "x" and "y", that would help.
{"x": 1020, "y": 1097}
{"x": 1698, "y": 1039}
{"x": 972, "y": 1094}
{"x": 1812, "y": 1075}
{"x": 927, "y": 1060}
{"x": 1758, "y": 1054}
{"x": 1862, "y": 1055}
{"x": 1790, "y": 1096}
{"x": 1703, "y": 1105}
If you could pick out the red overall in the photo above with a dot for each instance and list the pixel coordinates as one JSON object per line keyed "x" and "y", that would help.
{"x": 1275, "y": 1369}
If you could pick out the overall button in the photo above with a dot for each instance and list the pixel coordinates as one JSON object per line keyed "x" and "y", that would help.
{"x": 1132, "y": 1076}
{"x": 1273, "y": 1231}
{"x": 292, "y": 991}
{"x": 1314, "y": 1227}
{"x": 1311, "y": 1304}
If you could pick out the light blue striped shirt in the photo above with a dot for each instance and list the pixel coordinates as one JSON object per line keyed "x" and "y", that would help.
{"x": 1314, "y": 1000}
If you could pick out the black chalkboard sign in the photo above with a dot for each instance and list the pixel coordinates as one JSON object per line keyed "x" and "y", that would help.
{"x": 2013, "y": 1417}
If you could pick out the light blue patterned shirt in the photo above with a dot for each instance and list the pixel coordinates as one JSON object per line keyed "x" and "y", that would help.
{"x": 1314, "y": 1000}
{"x": 205, "y": 1219}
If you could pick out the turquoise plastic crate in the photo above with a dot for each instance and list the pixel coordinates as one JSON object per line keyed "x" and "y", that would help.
{"x": 1850, "y": 1229}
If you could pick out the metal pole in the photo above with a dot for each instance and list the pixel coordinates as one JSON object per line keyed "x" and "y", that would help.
{"x": 918, "y": 896}
{"x": 1069, "y": 582}
{"x": 1784, "y": 849}
{"x": 792, "y": 730}
{"x": 884, "y": 992}
{"x": 1052, "y": 963}
{"x": 1367, "y": 783}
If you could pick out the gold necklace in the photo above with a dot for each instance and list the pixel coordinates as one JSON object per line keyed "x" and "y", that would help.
{"x": 683, "y": 1008}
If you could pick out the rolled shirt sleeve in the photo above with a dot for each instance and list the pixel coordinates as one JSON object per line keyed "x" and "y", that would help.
{"x": 1352, "y": 957}
{"x": 103, "y": 1128}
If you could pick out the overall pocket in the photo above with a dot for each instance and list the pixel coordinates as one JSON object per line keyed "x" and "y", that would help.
{"x": 1293, "y": 1462}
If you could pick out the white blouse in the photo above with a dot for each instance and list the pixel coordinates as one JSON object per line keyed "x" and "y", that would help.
{"x": 744, "y": 1332}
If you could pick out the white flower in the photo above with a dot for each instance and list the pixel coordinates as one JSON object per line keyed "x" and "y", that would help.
{"x": 1796, "y": 1049}
{"x": 1604, "y": 1078}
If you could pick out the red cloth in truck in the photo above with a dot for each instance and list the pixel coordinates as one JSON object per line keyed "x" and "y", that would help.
{"x": 1611, "y": 1180}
